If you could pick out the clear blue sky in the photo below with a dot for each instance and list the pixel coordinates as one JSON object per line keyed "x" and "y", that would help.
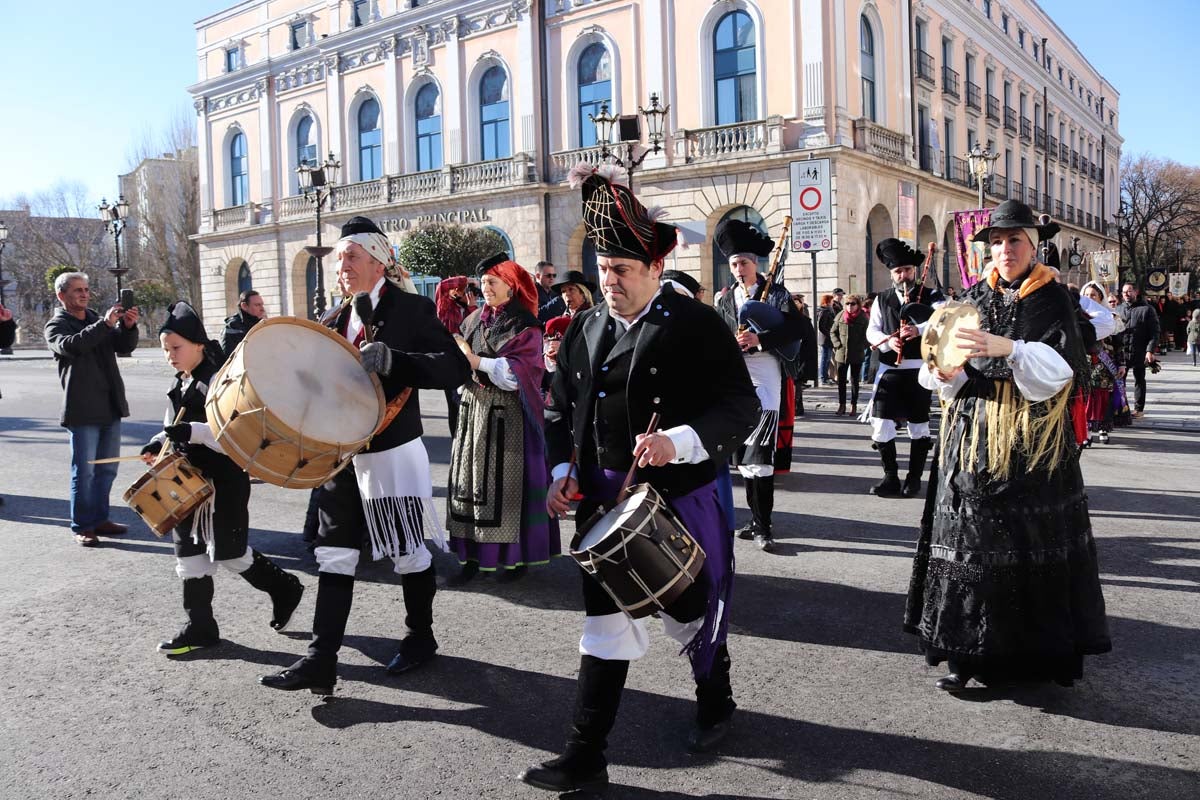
{"x": 79, "y": 85}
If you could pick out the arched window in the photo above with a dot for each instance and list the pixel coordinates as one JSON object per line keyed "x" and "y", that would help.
{"x": 493, "y": 115}
{"x": 306, "y": 143}
{"x": 721, "y": 275}
{"x": 734, "y": 72}
{"x": 310, "y": 287}
{"x": 428, "y": 108}
{"x": 245, "y": 282}
{"x": 866, "y": 52}
{"x": 239, "y": 171}
{"x": 595, "y": 88}
{"x": 508, "y": 247}
{"x": 370, "y": 141}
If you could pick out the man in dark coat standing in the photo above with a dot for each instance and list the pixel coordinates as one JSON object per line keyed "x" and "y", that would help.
{"x": 85, "y": 347}
{"x": 1139, "y": 340}
{"x": 251, "y": 311}
{"x": 550, "y": 302}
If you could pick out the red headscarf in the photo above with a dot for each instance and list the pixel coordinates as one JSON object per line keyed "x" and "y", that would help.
{"x": 516, "y": 276}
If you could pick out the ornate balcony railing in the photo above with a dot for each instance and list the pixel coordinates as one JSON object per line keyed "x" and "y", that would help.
{"x": 1026, "y": 127}
{"x": 960, "y": 172}
{"x": 729, "y": 141}
{"x": 496, "y": 174}
{"x": 993, "y": 107}
{"x": 933, "y": 161}
{"x": 880, "y": 141}
{"x": 1039, "y": 138}
{"x": 292, "y": 207}
{"x": 925, "y": 67}
{"x": 234, "y": 217}
{"x": 974, "y": 95}
{"x": 950, "y": 83}
{"x": 1018, "y": 191}
{"x": 1070, "y": 214}
{"x": 999, "y": 186}
{"x": 418, "y": 185}
{"x": 1074, "y": 159}
{"x": 1010, "y": 119}
{"x": 1052, "y": 146}
{"x": 1064, "y": 153}
{"x": 1058, "y": 208}
{"x": 564, "y": 161}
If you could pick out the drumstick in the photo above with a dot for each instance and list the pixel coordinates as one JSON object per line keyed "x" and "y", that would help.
{"x": 629, "y": 476}
{"x": 168, "y": 447}
{"x": 115, "y": 460}
{"x": 362, "y": 307}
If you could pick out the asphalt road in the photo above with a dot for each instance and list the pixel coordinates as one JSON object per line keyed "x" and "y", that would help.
{"x": 834, "y": 701}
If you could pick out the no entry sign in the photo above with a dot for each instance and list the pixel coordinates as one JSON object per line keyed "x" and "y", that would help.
{"x": 812, "y": 211}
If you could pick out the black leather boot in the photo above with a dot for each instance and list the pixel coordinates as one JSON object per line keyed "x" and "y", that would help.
{"x": 284, "y": 588}
{"x": 890, "y": 485}
{"x": 583, "y": 766}
{"x": 418, "y": 646}
{"x": 714, "y": 706}
{"x": 917, "y": 453}
{"x": 317, "y": 671}
{"x": 201, "y": 629}
{"x": 764, "y": 505}
{"x": 748, "y": 530}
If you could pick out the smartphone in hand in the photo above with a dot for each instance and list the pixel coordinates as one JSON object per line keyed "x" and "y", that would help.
{"x": 126, "y": 299}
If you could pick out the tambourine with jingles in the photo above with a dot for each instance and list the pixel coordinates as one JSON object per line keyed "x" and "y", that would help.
{"x": 939, "y": 343}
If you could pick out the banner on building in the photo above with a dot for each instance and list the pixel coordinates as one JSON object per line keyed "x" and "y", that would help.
{"x": 1104, "y": 268}
{"x": 906, "y": 217}
{"x": 972, "y": 256}
{"x": 1179, "y": 283}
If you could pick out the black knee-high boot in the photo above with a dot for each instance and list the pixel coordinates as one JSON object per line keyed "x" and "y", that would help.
{"x": 201, "y": 628}
{"x": 317, "y": 671}
{"x": 583, "y": 765}
{"x": 418, "y": 645}
{"x": 917, "y": 453}
{"x": 749, "y": 530}
{"x": 284, "y": 588}
{"x": 764, "y": 491}
{"x": 890, "y": 485}
{"x": 714, "y": 705}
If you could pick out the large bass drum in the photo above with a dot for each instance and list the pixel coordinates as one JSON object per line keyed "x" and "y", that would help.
{"x": 293, "y": 405}
{"x": 640, "y": 553}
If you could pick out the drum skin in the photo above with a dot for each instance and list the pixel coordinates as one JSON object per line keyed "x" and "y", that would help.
{"x": 939, "y": 346}
{"x": 293, "y": 405}
{"x": 168, "y": 492}
{"x": 640, "y": 553}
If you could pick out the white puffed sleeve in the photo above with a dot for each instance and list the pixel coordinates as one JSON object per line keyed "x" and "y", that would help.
{"x": 1039, "y": 371}
{"x": 1102, "y": 318}
{"x": 947, "y": 390}
{"x": 202, "y": 434}
{"x": 499, "y": 372}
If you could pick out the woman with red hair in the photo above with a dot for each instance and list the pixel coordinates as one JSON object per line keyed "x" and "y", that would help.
{"x": 498, "y": 475}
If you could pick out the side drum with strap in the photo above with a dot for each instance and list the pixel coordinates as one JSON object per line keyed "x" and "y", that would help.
{"x": 168, "y": 492}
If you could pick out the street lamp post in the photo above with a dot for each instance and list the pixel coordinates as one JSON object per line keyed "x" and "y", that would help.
{"x": 4, "y": 351}
{"x": 981, "y": 161}
{"x": 317, "y": 182}
{"x": 655, "y": 117}
{"x": 1122, "y": 218}
{"x": 114, "y": 217}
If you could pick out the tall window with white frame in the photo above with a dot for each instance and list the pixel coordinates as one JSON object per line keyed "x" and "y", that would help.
{"x": 595, "y": 89}
{"x": 370, "y": 141}
{"x": 306, "y": 143}
{"x": 866, "y": 52}
{"x": 239, "y": 171}
{"x": 233, "y": 59}
{"x": 735, "y": 75}
{"x": 298, "y": 35}
{"x": 360, "y": 13}
{"x": 494, "y": 139}
{"x": 428, "y": 111}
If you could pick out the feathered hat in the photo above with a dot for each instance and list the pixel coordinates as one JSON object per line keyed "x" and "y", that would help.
{"x": 615, "y": 222}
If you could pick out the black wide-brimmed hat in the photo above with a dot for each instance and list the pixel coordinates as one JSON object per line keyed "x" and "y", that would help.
{"x": 360, "y": 225}
{"x": 576, "y": 277}
{"x": 615, "y": 222}
{"x": 183, "y": 320}
{"x": 897, "y": 253}
{"x": 737, "y": 236}
{"x": 683, "y": 279}
{"x": 1014, "y": 214}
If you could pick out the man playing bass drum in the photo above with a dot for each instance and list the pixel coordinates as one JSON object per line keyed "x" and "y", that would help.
{"x": 893, "y": 330}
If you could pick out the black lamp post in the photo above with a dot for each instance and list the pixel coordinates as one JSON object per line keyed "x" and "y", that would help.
{"x": 1122, "y": 218}
{"x": 114, "y": 217}
{"x": 630, "y": 129}
{"x": 317, "y": 182}
{"x": 5, "y": 351}
{"x": 981, "y": 161}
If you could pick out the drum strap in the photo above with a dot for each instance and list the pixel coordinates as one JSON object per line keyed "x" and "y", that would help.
{"x": 393, "y": 408}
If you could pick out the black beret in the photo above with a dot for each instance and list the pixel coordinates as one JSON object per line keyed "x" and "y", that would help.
{"x": 359, "y": 225}
{"x": 183, "y": 320}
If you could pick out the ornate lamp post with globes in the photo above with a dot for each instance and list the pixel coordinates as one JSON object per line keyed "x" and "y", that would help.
{"x": 655, "y": 117}
{"x": 114, "y": 217}
{"x": 317, "y": 183}
{"x": 981, "y": 161}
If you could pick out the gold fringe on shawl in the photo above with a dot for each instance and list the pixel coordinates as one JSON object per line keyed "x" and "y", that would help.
{"x": 1039, "y": 432}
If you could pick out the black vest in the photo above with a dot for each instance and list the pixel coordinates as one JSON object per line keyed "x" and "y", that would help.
{"x": 614, "y": 439}
{"x": 889, "y": 308}
{"x": 217, "y": 466}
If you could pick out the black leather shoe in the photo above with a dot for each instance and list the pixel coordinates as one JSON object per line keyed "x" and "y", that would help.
{"x": 912, "y": 486}
{"x": 747, "y": 532}
{"x": 301, "y": 676}
{"x": 890, "y": 486}
{"x": 704, "y": 740}
{"x": 414, "y": 652}
{"x": 953, "y": 682}
{"x": 764, "y": 542}
{"x": 188, "y": 640}
{"x": 561, "y": 775}
{"x": 285, "y": 605}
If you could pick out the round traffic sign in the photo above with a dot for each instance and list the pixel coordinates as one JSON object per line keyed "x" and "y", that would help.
{"x": 810, "y": 198}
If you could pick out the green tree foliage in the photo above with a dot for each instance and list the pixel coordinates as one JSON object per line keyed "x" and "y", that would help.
{"x": 447, "y": 250}
{"x": 53, "y": 273}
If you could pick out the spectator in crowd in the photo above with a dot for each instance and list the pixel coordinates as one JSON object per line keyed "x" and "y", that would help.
{"x": 251, "y": 311}
{"x": 85, "y": 347}
{"x": 839, "y": 298}
{"x": 1107, "y": 367}
{"x": 1141, "y": 338}
{"x": 825, "y": 316}
{"x": 576, "y": 292}
{"x": 550, "y": 302}
{"x": 849, "y": 337}
{"x": 1193, "y": 335}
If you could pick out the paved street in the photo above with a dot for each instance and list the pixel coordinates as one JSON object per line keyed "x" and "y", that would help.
{"x": 835, "y": 702}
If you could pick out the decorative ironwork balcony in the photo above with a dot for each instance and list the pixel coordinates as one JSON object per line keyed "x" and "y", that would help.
{"x": 234, "y": 217}
{"x": 1039, "y": 138}
{"x": 950, "y": 83}
{"x": 974, "y": 95}
{"x": 1010, "y": 119}
{"x": 1026, "y": 128}
{"x": 754, "y": 138}
{"x": 993, "y": 107}
{"x": 925, "y": 67}
{"x": 564, "y": 161}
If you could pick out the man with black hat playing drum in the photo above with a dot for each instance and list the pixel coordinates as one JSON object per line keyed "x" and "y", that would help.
{"x": 743, "y": 244}
{"x": 894, "y": 331}
{"x": 217, "y": 532}
{"x": 646, "y": 350}
{"x": 388, "y": 495}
